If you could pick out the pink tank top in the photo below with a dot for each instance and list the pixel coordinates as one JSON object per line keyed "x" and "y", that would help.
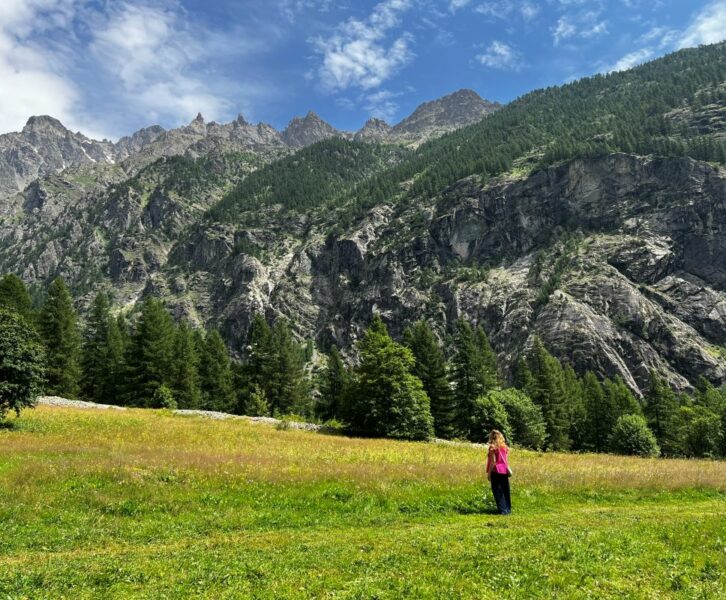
{"x": 500, "y": 460}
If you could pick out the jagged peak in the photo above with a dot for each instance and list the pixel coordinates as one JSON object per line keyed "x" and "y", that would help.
{"x": 199, "y": 118}
{"x": 43, "y": 121}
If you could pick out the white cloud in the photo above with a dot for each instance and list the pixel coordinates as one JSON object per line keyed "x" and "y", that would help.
{"x": 455, "y": 5}
{"x": 582, "y": 24}
{"x": 708, "y": 27}
{"x": 500, "y": 56}
{"x": 506, "y": 9}
{"x": 358, "y": 54}
{"x": 34, "y": 79}
{"x": 631, "y": 60}
{"x": 154, "y": 55}
{"x": 563, "y": 30}
{"x": 382, "y": 104}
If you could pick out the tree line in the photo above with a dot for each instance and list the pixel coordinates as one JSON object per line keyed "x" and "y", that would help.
{"x": 414, "y": 389}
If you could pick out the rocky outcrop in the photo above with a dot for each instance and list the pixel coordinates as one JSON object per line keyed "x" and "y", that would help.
{"x": 307, "y": 130}
{"x": 375, "y": 130}
{"x": 456, "y": 110}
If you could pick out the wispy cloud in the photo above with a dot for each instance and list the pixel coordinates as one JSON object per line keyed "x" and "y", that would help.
{"x": 508, "y": 9}
{"x": 708, "y": 27}
{"x": 382, "y": 104}
{"x": 502, "y": 56}
{"x": 35, "y": 76}
{"x": 361, "y": 53}
{"x": 584, "y": 23}
{"x": 631, "y": 60}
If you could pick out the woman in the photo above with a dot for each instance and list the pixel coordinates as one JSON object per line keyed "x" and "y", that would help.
{"x": 498, "y": 471}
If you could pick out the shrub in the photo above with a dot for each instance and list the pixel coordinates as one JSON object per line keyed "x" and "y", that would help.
{"x": 163, "y": 398}
{"x": 525, "y": 418}
{"x": 631, "y": 435}
{"x": 489, "y": 413}
{"x": 699, "y": 431}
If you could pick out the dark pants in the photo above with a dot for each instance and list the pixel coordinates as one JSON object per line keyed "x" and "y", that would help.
{"x": 500, "y": 489}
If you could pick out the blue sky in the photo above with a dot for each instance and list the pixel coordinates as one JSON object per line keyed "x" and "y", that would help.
{"x": 109, "y": 67}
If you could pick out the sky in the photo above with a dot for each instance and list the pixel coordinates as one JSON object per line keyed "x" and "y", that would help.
{"x": 110, "y": 67}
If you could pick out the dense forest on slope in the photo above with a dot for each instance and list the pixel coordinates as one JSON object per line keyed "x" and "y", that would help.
{"x": 652, "y": 109}
{"x": 319, "y": 173}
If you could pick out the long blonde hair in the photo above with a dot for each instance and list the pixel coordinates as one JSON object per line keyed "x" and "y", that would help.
{"x": 496, "y": 440}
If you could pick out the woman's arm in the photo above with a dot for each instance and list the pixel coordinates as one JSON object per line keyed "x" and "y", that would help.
{"x": 490, "y": 462}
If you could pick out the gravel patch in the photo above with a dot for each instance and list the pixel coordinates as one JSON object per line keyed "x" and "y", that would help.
{"x": 65, "y": 402}
{"x": 211, "y": 414}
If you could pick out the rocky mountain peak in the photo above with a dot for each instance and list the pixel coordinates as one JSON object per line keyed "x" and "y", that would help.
{"x": 307, "y": 130}
{"x": 374, "y": 130}
{"x": 461, "y": 108}
{"x": 44, "y": 123}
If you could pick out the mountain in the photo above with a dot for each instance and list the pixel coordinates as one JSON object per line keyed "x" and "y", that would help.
{"x": 307, "y": 130}
{"x": 45, "y": 146}
{"x": 456, "y": 110}
{"x": 431, "y": 119}
{"x": 592, "y": 215}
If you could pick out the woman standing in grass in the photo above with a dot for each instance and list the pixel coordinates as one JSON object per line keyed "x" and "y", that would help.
{"x": 498, "y": 471}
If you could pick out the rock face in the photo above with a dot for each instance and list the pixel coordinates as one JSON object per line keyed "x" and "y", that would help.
{"x": 307, "y": 130}
{"x": 375, "y": 130}
{"x": 634, "y": 249}
{"x": 45, "y": 146}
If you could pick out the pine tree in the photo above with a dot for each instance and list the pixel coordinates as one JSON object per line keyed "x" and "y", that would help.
{"x": 601, "y": 417}
{"x": 115, "y": 361}
{"x": 661, "y": 410}
{"x": 577, "y": 412}
{"x": 621, "y": 398}
{"x": 215, "y": 374}
{"x": 548, "y": 392}
{"x": 288, "y": 391}
{"x": 257, "y": 405}
{"x": 14, "y": 296}
{"x": 334, "y": 383}
{"x": 474, "y": 373}
{"x": 149, "y": 354}
{"x": 430, "y": 368}
{"x": 259, "y": 366}
{"x": 386, "y": 399}
{"x": 62, "y": 340}
{"x": 94, "y": 361}
{"x": 185, "y": 368}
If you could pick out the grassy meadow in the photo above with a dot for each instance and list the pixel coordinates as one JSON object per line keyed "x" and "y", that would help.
{"x": 146, "y": 504}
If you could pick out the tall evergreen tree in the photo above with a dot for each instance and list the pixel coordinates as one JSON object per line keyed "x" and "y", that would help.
{"x": 661, "y": 410}
{"x": 94, "y": 360}
{"x": 548, "y": 392}
{"x": 473, "y": 374}
{"x": 601, "y": 416}
{"x": 184, "y": 383}
{"x": 334, "y": 383}
{"x": 149, "y": 354}
{"x": 59, "y": 331}
{"x": 14, "y": 296}
{"x": 386, "y": 399}
{"x": 288, "y": 389}
{"x": 259, "y": 366}
{"x": 577, "y": 411}
{"x": 430, "y": 368}
{"x": 115, "y": 360}
{"x": 215, "y": 372}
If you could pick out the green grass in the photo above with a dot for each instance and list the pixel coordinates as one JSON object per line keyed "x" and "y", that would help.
{"x": 145, "y": 504}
